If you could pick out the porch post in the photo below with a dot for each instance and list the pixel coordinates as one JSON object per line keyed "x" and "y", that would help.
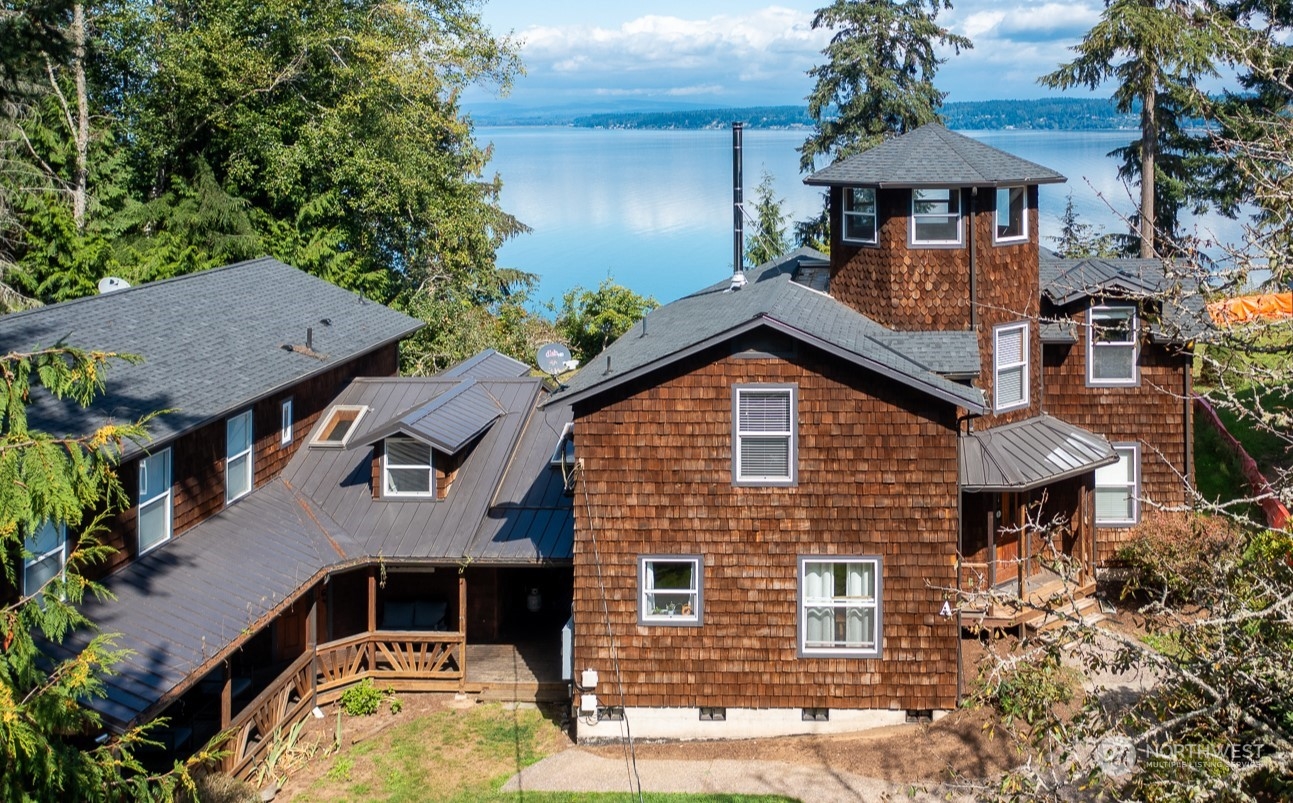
{"x": 1022, "y": 544}
{"x": 312, "y": 640}
{"x": 372, "y": 615}
{"x": 994, "y": 502}
{"x": 1088, "y": 534}
{"x": 462, "y": 629}
{"x": 226, "y": 711}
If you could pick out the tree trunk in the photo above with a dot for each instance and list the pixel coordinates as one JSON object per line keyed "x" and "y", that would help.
{"x": 80, "y": 182}
{"x": 1148, "y": 149}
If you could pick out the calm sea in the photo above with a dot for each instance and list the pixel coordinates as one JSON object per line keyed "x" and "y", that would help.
{"x": 653, "y": 209}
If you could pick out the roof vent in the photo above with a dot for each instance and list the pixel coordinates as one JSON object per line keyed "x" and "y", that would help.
{"x": 109, "y": 283}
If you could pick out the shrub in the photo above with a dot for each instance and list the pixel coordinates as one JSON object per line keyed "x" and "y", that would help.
{"x": 361, "y": 700}
{"x": 1172, "y": 555}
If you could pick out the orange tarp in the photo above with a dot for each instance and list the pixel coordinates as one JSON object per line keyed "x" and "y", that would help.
{"x": 1246, "y": 308}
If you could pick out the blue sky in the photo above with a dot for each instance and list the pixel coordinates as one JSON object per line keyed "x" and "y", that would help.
{"x": 729, "y": 52}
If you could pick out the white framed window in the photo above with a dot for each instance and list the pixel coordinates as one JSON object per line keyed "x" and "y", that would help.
{"x": 764, "y": 438}
{"x": 406, "y": 469}
{"x": 1117, "y": 488}
{"x": 839, "y": 606}
{"x": 564, "y": 453}
{"x": 1112, "y": 345}
{"x": 154, "y": 526}
{"x": 670, "y": 589}
{"x": 285, "y": 422}
{"x": 44, "y": 556}
{"x": 238, "y": 457}
{"x": 1012, "y": 215}
{"x": 859, "y": 215}
{"x": 936, "y": 216}
{"x": 1010, "y": 366}
{"x": 338, "y": 425}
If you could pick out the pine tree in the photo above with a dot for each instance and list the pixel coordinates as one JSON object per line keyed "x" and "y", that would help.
{"x": 767, "y": 240}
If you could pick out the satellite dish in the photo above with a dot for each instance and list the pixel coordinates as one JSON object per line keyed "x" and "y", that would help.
{"x": 553, "y": 358}
{"x": 109, "y": 283}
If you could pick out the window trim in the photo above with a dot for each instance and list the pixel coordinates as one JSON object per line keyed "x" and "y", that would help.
{"x": 1133, "y": 449}
{"x": 316, "y": 440}
{"x": 1023, "y": 236}
{"x": 249, "y": 452}
{"x": 28, "y": 563}
{"x": 168, "y": 496}
{"x": 387, "y": 493}
{"x": 697, "y": 617}
{"x": 952, "y": 193}
{"x": 848, "y": 212}
{"x": 877, "y": 604}
{"x": 998, "y": 366}
{"x": 793, "y": 436}
{"x": 285, "y": 422}
{"x": 1092, "y": 345}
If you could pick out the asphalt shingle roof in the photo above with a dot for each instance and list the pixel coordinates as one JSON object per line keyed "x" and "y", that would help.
{"x": 771, "y": 298}
{"x": 932, "y": 156}
{"x": 211, "y": 343}
{"x": 1066, "y": 281}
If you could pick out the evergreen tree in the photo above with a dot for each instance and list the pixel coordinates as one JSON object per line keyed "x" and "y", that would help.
{"x": 767, "y": 240}
{"x": 56, "y": 482}
{"x": 589, "y": 320}
{"x": 878, "y": 78}
{"x": 1078, "y": 239}
{"x": 1156, "y": 50}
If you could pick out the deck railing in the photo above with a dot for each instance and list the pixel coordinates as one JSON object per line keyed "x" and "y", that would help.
{"x": 403, "y": 660}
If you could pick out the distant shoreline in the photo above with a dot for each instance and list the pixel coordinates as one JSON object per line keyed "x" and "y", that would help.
{"x": 1054, "y": 114}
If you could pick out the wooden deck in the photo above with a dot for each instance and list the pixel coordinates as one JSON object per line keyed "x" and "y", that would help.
{"x": 1032, "y": 611}
{"x": 522, "y": 672}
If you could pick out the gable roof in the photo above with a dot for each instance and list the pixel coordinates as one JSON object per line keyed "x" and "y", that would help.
{"x": 773, "y": 300}
{"x": 211, "y": 342}
{"x": 447, "y": 422}
{"x": 932, "y": 156}
{"x": 1066, "y": 281}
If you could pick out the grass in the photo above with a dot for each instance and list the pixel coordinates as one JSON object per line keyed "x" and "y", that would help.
{"x": 462, "y": 756}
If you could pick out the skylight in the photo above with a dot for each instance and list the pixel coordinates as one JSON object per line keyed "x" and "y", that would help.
{"x": 337, "y": 428}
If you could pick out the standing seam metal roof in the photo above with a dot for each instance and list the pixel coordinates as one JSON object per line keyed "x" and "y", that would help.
{"x": 1028, "y": 454}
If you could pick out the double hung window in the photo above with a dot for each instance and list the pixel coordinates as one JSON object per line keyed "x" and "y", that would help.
{"x": 839, "y": 606}
{"x": 1112, "y": 346}
{"x": 670, "y": 589}
{"x": 238, "y": 456}
{"x": 47, "y": 548}
{"x": 154, "y": 500}
{"x": 936, "y": 216}
{"x": 1117, "y": 488}
{"x": 285, "y": 423}
{"x": 1010, "y": 366}
{"x": 859, "y": 215}
{"x": 764, "y": 435}
{"x": 407, "y": 470}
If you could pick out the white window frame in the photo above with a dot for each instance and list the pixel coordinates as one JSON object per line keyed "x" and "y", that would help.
{"x": 285, "y": 423}
{"x": 325, "y": 424}
{"x": 651, "y": 614}
{"x": 1000, "y": 366}
{"x": 149, "y": 483}
{"x": 231, "y": 457}
{"x": 1106, "y": 312}
{"x": 28, "y": 563}
{"x": 791, "y": 477}
{"x": 859, "y": 218}
{"x": 388, "y": 488}
{"x": 837, "y": 601}
{"x": 953, "y": 199}
{"x": 1126, "y": 451}
{"x": 997, "y": 237}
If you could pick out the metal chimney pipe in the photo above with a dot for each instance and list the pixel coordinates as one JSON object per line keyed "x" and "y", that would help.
{"x": 738, "y": 217}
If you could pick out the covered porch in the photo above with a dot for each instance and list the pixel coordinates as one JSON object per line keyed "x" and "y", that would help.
{"x": 1027, "y": 521}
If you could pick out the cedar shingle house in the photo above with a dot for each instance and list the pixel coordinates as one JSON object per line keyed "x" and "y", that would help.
{"x": 303, "y": 518}
{"x": 777, "y": 483}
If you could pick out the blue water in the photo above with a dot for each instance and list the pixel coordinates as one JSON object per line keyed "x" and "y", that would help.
{"x": 653, "y": 209}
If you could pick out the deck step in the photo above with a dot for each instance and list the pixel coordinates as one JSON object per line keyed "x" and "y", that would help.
{"x": 1087, "y": 609}
{"x": 523, "y": 692}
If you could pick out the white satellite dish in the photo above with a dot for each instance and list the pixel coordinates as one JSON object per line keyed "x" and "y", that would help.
{"x": 109, "y": 283}
{"x": 552, "y": 358}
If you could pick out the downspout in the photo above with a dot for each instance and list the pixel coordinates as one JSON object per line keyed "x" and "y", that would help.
{"x": 974, "y": 286}
{"x": 1188, "y": 433}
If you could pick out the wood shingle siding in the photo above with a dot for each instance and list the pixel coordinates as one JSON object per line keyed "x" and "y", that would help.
{"x": 1155, "y": 413}
{"x": 876, "y": 476}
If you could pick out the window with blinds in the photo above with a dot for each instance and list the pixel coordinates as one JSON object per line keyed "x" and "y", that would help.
{"x": 764, "y": 435}
{"x": 1010, "y": 367}
{"x": 1112, "y": 346}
